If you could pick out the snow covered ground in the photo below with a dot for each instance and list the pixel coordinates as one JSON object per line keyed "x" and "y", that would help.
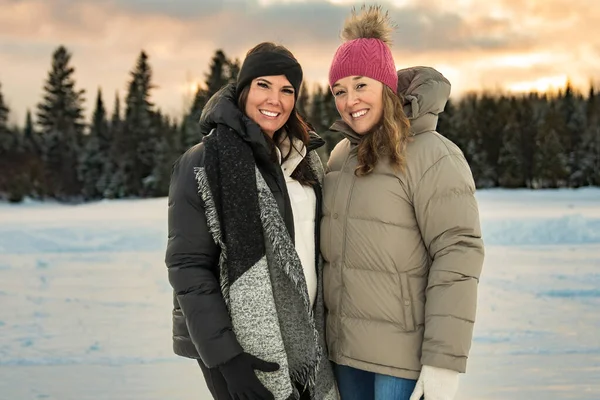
{"x": 85, "y": 302}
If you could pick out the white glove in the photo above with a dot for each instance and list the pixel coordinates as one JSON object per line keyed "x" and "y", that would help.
{"x": 436, "y": 384}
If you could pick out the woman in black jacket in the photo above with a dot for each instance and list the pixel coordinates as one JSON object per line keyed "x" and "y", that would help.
{"x": 242, "y": 254}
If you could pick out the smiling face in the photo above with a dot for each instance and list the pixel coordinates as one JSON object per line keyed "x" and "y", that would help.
{"x": 359, "y": 100}
{"x": 270, "y": 102}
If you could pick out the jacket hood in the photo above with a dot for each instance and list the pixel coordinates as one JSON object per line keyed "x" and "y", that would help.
{"x": 425, "y": 92}
{"x": 222, "y": 108}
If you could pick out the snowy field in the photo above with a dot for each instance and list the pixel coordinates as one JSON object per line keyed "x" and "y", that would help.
{"x": 85, "y": 302}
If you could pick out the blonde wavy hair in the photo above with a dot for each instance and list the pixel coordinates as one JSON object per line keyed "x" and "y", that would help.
{"x": 388, "y": 139}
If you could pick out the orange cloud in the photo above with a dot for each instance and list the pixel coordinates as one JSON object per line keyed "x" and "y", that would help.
{"x": 494, "y": 44}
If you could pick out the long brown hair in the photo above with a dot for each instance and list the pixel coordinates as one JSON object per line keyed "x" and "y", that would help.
{"x": 389, "y": 138}
{"x": 295, "y": 127}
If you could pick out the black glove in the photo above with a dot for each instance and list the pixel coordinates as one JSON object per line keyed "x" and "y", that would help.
{"x": 242, "y": 382}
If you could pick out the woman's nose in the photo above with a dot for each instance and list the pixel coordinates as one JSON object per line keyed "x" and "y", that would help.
{"x": 273, "y": 98}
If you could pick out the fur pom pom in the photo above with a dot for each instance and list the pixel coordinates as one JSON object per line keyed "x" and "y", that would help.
{"x": 370, "y": 23}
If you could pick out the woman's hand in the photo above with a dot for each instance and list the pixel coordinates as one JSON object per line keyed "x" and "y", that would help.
{"x": 241, "y": 379}
{"x": 436, "y": 384}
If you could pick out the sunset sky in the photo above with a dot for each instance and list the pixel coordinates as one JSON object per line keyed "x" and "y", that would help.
{"x": 510, "y": 45}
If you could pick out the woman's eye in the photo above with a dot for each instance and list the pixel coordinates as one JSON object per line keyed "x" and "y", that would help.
{"x": 361, "y": 85}
{"x": 338, "y": 93}
{"x": 288, "y": 91}
{"x": 262, "y": 85}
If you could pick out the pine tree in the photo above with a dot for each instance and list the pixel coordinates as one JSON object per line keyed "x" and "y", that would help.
{"x": 316, "y": 117}
{"x": 490, "y": 122}
{"x": 6, "y": 135}
{"x": 112, "y": 182}
{"x": 590, "y": 147}
{"x": 302, "y": 104}
{"x": 510, "y": 158}
{"x": 32, "y": 160}
{"x": 190, "y": 129}
{"x": 447, "y": 122}
{"x": 330, "y": 112}
{"x": 219, "y": 73}
{"x": 96, "y": 153}
{"x": 140, "y": 136}
{"x": 517, "y": 153}
{"x": 157, "y": 184}
{"x": 14, "y": 184}
{"x": 551, "y": 169}
{"x": 60, "y": 117}
{"x": 7, "y": 155}
{"x": 30, "y": 137}
{"x": 317, "y": 110}
{"x": 232, "y": 70}
{"x": 532, "y": 117}
{"x": 222, "y": 71}
{"x": 469, "y": 138}
{"x": 116, "y": 120}
{"x": 457, "y": 125}
{"x": 573, "y": 114}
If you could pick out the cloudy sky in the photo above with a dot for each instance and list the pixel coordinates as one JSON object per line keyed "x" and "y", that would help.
{"x": 510, "y": 45}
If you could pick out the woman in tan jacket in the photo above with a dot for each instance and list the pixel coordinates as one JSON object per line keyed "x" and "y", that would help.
{"x": 400, "y": 234}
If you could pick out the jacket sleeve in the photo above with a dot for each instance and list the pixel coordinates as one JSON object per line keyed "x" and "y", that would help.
{"x": 192, "y": 261}
{"x": 448, "y": 217}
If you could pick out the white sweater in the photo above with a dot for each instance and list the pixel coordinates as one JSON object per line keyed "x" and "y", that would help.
{"x": 304, "y": 203}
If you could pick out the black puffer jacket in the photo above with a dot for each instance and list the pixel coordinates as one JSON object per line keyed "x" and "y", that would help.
{"x": 201, "y": 324}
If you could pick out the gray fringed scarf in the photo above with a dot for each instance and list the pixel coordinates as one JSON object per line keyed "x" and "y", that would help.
{"x": 262, "y": 279}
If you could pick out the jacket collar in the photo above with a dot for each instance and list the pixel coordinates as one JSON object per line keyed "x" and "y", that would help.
{"x": 344, "y": 128}
{"x": 295, "y": 151}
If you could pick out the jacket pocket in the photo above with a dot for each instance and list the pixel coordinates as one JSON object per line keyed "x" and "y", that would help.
{"x": 407, "y": 304}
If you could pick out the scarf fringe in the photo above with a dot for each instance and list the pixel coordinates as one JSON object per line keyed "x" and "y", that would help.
{"x": 274, "y": 229}
{"x": 214, "y": 226}
{"x": 276, "y": 234}
{"x": 307, "y": 374}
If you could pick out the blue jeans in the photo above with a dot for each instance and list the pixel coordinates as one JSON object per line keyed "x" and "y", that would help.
{"x": 356, "y": 384}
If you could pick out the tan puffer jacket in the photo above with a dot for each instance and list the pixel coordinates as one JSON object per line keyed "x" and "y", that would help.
{"x": 403, "y": 251}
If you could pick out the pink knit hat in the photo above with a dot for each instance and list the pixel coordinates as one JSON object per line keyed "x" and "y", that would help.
{"x": 368, "y": 57}
{"x": 366, "y": 50}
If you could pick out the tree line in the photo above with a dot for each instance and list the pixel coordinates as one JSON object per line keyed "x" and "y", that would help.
{"x": 532, "y": 140}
